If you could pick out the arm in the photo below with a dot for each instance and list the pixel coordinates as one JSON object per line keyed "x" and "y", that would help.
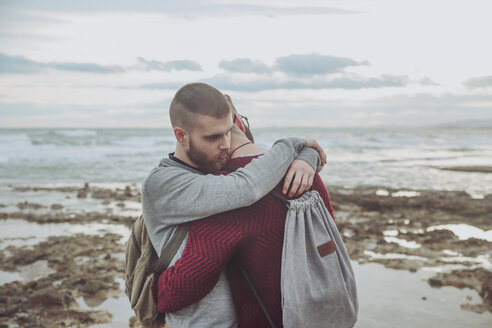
{"x": 173, "y": 195}
{"x": 196, "y": 273}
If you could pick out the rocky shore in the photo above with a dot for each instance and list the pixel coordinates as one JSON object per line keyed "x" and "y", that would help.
{"x": 62, "y": 247}
{"x": 409, "y": 230}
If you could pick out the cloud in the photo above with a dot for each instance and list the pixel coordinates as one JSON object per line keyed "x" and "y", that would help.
{"x": 479, "y": 82}
{"x": 162, "y": 86}
{"x": 55, "y": 115}
{"x": 266, "y": 110}
{"x": 27, "y": 109}
{"x": 427, "y": 81}
{"x": 85, "y": 67}
{"x": 178, "y": 65}
{"x": 21, "y": 65}
{"x": 244, "y": 65}
{"x": 186, "y": 8}
{"x": 427, "y": 102}
{"x": 227, "y": 82}
{"x": 359, "y": 82}
{"x": 18, "y": 64}
{"x": 314, "y": 64}
{"x": 353, "y": 82}
{"x": 304, "y": 71}
{"x": 396, "y": 110}
{"x": 295, "y": 65}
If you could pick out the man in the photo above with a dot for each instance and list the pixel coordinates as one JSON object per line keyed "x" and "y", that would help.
{"x": 178, "y": 191}
{"x": 251, "y": 236}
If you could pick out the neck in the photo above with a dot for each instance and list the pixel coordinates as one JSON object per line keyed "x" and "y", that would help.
{"x": 238, "y": 140}
{"x": 181, "y": 155}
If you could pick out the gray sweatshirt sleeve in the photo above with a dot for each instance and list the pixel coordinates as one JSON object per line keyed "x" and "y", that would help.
{"x": 173, "y": 195}
{"x": 311, "y": 156}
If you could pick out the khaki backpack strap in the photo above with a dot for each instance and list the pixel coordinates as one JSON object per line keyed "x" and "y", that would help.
{"x": 171, "y": 249}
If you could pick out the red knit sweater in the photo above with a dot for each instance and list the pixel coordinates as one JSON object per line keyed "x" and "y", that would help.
{"x": 251, "y": 236}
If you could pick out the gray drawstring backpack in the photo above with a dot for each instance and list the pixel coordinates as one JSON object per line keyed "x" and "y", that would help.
{"x": 317, "y": 280}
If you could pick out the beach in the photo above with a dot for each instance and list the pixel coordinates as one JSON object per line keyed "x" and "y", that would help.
{"x": 62, "y": 254}
{"x": 414, "y": 207}
{"x": 95, "y": 94}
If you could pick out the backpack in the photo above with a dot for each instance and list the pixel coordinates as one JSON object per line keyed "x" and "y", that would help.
{"x": 317, "y": 281}
{"x": 143, "y": 267}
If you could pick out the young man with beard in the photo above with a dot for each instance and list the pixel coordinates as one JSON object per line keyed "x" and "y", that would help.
{"x": 179, "y": 190}
{"x": 252, "y": 237}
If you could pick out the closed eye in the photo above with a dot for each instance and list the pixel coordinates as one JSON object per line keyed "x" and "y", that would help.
{"x": 214, "y": 137}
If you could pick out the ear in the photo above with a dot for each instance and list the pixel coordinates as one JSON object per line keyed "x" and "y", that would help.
{"x": 239, "y": 123}
{"x": 181, "y": 135}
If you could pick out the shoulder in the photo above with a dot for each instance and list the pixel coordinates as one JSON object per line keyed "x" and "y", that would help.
{"x": 239, "y": 162}
{"x": 159, "y": 175}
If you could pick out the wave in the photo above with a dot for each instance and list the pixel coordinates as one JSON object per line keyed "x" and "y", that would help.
{"x": 78, "y": 133}
{"x": 399, "y": 158}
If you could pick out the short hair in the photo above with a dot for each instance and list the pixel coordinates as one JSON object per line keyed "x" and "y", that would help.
{"x": 197, "y": 98}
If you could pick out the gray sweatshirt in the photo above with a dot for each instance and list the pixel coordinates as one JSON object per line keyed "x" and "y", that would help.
{"x": 173, "y": 193}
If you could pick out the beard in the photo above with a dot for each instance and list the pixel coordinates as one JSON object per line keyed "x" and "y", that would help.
{"x": 206, "y": 162}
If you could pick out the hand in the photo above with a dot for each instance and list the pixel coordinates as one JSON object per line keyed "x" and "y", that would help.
{"x": 301, "y": 175}
{"x": 312, "y": 143}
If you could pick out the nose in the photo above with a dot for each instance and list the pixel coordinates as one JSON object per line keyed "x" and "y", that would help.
{"x": 226, "y": 143}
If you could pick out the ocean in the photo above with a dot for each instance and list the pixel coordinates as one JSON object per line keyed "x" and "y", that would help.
{"x": 393, "y": 157}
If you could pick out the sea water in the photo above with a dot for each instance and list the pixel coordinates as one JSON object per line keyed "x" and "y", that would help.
{"x": 391, "y": 157}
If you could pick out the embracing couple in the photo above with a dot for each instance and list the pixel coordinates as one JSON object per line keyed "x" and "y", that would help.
{"x": 218, "y": 182}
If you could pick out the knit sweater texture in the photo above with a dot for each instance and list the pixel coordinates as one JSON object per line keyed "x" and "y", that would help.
{"x": 250, "y": 236}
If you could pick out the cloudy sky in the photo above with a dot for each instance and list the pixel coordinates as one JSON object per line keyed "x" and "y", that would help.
{"x": 118, "y": 63}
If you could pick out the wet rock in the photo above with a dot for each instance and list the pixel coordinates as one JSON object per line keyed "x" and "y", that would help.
{"x": 478, "y": 279}
{"x": 38, "y": 188}
{"x": 50, "y": 296}
{"x": 93, "y": 286}
{"x": 26, "y": 205}
{"x": 486, "y": 291}
{"x": 361, "y": 216}
{"x": 435, "y": 282}
{"x": 477, "y": 308}
{"x": 56, "y": 207}
{"x": 436, "y": 236}
{"x": 102, "y": 194}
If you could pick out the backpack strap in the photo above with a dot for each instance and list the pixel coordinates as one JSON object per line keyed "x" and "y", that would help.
{"x": 171, "y": 249}
{"x": 280, "y": 197}
{"x": 255, "y": 293}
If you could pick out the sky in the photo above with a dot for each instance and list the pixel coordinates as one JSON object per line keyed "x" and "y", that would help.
{"x": 284, "y": 63}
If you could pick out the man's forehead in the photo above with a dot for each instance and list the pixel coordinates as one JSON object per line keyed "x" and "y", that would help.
{"x": 212, "y": 125}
